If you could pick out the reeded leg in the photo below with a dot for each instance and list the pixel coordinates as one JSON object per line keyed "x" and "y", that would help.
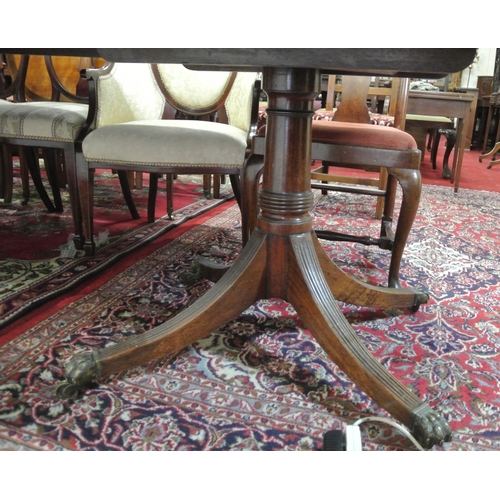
{"x": 311, "y": 296}
{"x": 352, "y": 291}
{"x": 242, "y": 285}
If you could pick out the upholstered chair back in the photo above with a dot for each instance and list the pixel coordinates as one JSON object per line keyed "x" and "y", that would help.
{"x": 239, "y": 101}
{"x": 129, "y": 92}
{"x": 203, "y": 92}
{"x": 194, "y": 92}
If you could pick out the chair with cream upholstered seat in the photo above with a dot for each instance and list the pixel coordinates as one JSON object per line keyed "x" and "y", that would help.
{"x": 137, "y": 112}
{"x": 49, "y": 128}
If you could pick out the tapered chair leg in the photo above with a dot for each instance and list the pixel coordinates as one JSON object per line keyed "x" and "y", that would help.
{"x": 250, "y": 176}
{"x": 127, "y": 193}
{"x": 170, "y": 195}
{"x": 32, "y": 162}
{"x": 51, "y": 167}
{"x": 74, "y": 197}
{"x": 7, "y": 172}
{"x": 153, "y": 191}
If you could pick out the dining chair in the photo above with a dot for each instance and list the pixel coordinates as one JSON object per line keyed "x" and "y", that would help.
{"x": 355, "y": 97}
{"x": 164, "y": 120}
{"x": 359, "y": 144}
{"x": 491, "y": 154}
{"x": 45, "y": 129}
{"x": 26, "y": 128}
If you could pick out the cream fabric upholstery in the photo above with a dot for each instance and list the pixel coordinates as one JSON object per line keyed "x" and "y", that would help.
{"x": 128, "y": 93}
{"x": 168, "y": 143}
{"x": 53, "y": 121}
{"x": 195, "y": 89}
{"x": 131, "y": 134}
{"x": 130, "y": 129}
{"x": 428, "y": 118}
{"x": 239, "y": 101}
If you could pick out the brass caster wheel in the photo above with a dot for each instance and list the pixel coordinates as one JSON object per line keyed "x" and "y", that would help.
{"x": 65, "y": 390}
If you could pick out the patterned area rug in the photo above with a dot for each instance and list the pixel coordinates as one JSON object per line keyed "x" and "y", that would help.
{"x": 262, "y": 382}
{"x": 36, "y": 261}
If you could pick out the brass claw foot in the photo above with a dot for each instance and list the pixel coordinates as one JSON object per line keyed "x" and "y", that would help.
{"x": 420, "y": 298}
{"x": 429, "y": 428}
{"x": 79, "y": 373}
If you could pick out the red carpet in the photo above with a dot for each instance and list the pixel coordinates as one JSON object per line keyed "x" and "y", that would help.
{"x": 34, "y": 269}
{"x": 30, "y": 232}
{"x": 474, "y": 175}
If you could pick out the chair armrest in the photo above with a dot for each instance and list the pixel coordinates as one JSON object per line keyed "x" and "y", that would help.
{"x": 92, "y": 75}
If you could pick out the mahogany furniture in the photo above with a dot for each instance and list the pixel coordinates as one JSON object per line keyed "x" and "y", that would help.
{"x": 127, "y": 129}
{"x": 49, "y": 126}
{"x": 397, "y": 97}
{"x": 493, "y": 117}
{"x": 45, "y": 116}
{"x": 283, "y": 257}
{"x": 350, "y": 140}
{"x": 491, "y": 154}
{"x": 449, "y": 104}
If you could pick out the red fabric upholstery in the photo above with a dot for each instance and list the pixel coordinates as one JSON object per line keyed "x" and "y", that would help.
{"x": 326, "y": 130}
{"x": 361, "y": 134}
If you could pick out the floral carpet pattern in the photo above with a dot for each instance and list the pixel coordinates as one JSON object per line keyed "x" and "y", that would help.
{"x": 262, "y": 382}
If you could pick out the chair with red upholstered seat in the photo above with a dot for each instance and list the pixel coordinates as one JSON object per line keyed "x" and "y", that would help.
{"x": 361, "y": 146}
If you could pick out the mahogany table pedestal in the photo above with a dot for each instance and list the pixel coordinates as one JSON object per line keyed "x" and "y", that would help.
{"x": 283, "y": 259}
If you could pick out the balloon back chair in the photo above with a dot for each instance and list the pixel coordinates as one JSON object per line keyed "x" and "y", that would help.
{"x": 136, "y": 127}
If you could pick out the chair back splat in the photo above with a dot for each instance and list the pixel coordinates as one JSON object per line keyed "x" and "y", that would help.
{"x": 353, "y": 106}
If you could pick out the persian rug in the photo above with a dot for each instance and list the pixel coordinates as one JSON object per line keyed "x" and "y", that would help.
{"x": 38, "y": 260}
{"x": 262, "y": 382}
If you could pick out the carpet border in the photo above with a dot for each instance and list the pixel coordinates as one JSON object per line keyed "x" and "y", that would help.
{"x": 17, "y": 313}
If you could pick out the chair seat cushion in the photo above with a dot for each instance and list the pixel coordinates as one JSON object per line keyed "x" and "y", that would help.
{"x": 360, "y": 134}
{"x": 432, "y": 120}
{"x": 48, "y": 120}
{"x": 167, "y": 143}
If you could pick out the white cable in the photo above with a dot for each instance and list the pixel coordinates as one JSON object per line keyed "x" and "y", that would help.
{"x": 394, "y": 424}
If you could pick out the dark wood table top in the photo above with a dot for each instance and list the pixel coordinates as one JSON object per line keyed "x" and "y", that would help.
{"x": 416, "y": 62}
